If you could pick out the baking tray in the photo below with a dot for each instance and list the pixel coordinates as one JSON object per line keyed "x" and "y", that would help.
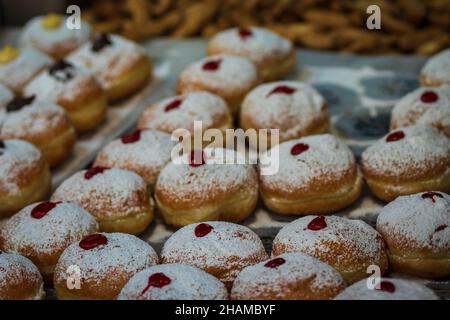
{"x": 360, "y": 92}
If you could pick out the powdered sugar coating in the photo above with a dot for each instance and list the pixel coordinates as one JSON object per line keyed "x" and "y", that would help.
{"x": 259, "y": 280}
{"x": 49, "y": 40}
{"x": 123, "y": 254}
{"x": 417, "y": 223}
{"x": 49, "y": 235}
{"x": 187, "y": 283}
{"x": 17, "y": 271}
{"x": 113, "y": 193}
{"x": 437, "y": 68}
{"x": 181, "y": 182}
{"x": 227, "y": 246}
{"x": 411, "y": 109}
{"x": 5, "y": 96}
{"x": 21, "y": 70}
{"x": 111, "y": 61}
{"x": 18, "y": 158}
{"x": 327, "y": 158}
{"x": 195, "y": 106}
{"x": 356, "y": 242}
{"x": 33, "y": 121}
{"x": 261, "y": 45}
{"x": 234, "y": 74}
{"x": 146, "y": 157}
{"x": 404, "y": 290}
{"x": 48, "y": 88}
{"x": 422, "y": 148}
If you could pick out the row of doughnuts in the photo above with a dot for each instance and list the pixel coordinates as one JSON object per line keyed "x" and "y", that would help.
{"x": 313, "y": 257}
{"x": 55, "y": 99}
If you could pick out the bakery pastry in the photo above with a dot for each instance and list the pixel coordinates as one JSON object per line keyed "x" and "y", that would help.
{"x": 104, "y": 263}
{"x": 121, "y": 66}
{"x": 424, "y": 105}
{"x": 416, "y": 229}
{"x": 73, "y": 88}
{"x": 42, "y": 123}
{"x": 290, "y": 276}
{"x": 204, "y": 189}
{"x": 406, "y": 161}
{"x": 230, "y": 77}
{"x": 273, "y": 55}
{"x": 42, "y": 231}
{"x": 388, "y": 289}
{"x": 5, "y": 96}
{"x": 52, "y": 35}
{"x": 144, "y": 152}
{"x": 20, "y": 279}
{"x": 24, "y": 176}
{"x": 173, "y": 282}
{"x": 295, "y": 108}
{"x": 180, "y": 112}
{"x": 220, "y": 248}
{"x": 18, "y": 67}
{"x": 436, "y": 70}
{"x": 117, "y": 198}
{"x": 316, "y": 174}
{"x": 350, "y": 246}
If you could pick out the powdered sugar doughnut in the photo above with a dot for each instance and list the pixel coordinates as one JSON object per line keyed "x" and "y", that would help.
{"x": 42, "y": 231}
{"x": 222, "y": 249}
{"x": 316, "y": 174}
{"x": 230, "y": 77}
{"x": 437, "y": 70}
{"x": 20, "y": 66}
{"x": 180, "y": 112}
{"x": 106, "y": 262}
{"x": 350, "y": 246}
{"x": 173, "y": 282}
{"x": 416, "y": 229}
{"x": 52, "y": 35}
{"x": 295, "y": 108}
{"x": 73, "y": 88}
{"x": 42, "y": 123}
{"x": 121, "y": 66}
{"x": 118, "y": 199}
{"x": 273, "y": 55}
{"x": 291, "y": 276}
{"x": 5, "y": 96}
{"x": 424, "y": 105}
{"x": 144, "y": 152}
{"x": 19, "y": 278}
{"x": 204, "y": 189}
{"x": 389, "y": 289}
{"x": 24, "y": 176}
{"x": 407, "y": 161}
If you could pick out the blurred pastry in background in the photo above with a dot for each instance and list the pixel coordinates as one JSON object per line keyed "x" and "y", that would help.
{"x": 75, "y": 89}
{"x": 295, "y": 108}
{"x": 18, "y": 67}
{"x": 437, "y": 70}
{"x": 426, "y": 105}
{"x": 24, "y": 176}
{"x": 42, "y": 123}
{"x": 122, "y": 66}
{"x": 6, "y": 96}
{"x": 273, "y": 55}
{"x": 406, "y": 161}
{"x": 144, "y": 152}
{"x": 230, "y": 77}
{"x": 51, "y": 35}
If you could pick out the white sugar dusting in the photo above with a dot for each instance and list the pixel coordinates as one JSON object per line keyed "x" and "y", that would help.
{"x": 5, "y": 96}
{"x": 416, "y": 221}
{"x": 437, "y": 68}
{"x": 61, "y": 226}
{"x": 186, "y": 283}
{"x": 258, "y": 279}
{"x": 326, "y": 158}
